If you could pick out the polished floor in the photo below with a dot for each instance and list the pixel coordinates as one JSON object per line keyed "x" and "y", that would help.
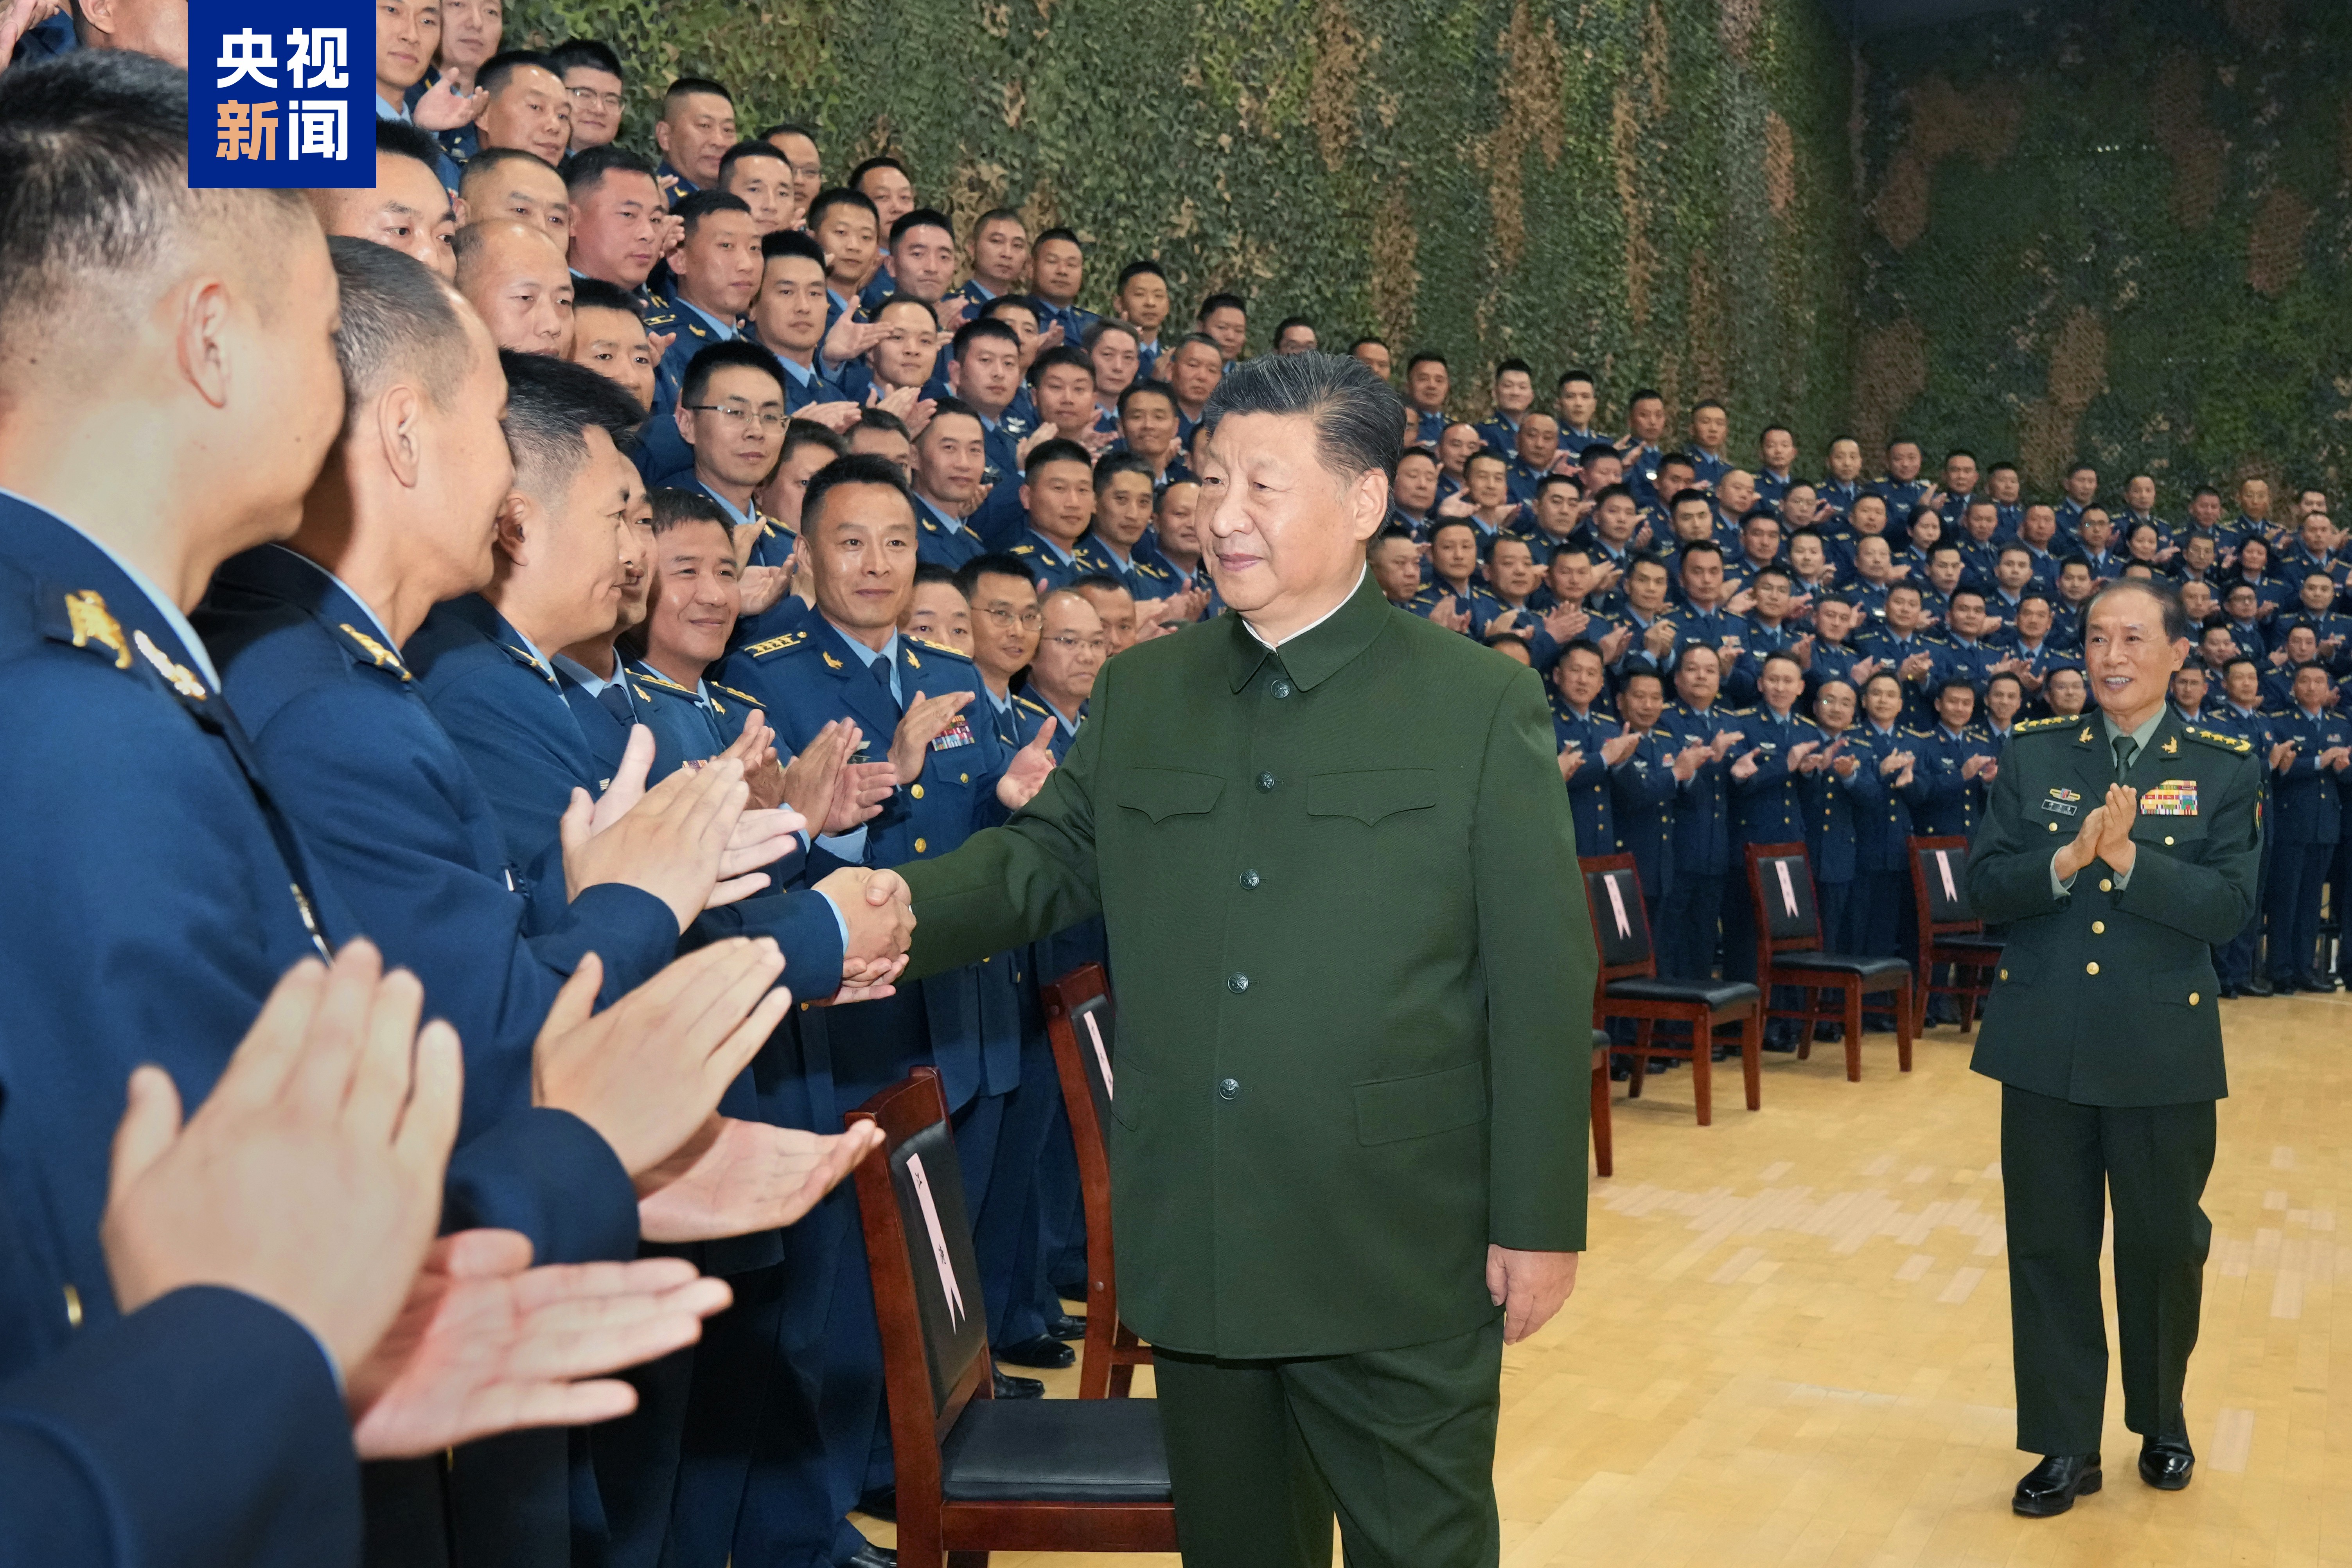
{"x": 1790, "y": 1343}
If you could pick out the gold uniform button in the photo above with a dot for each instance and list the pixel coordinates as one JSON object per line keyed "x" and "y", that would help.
{"x": 73, "y": 1308}
{"x": 963, "y": 778}
{"x": 2053, "y": 827}
{"x": 2098, "y": 928}
{"x": 2168, "y": 839}
{"x": 2004, "y": 974}
{"x": 2105, "y": 885}
{"x": 2192, "y": 998}
{"x": 919, "y": 846}
{"x": 2091, "y": 968}
{"x": 918, "y": 792}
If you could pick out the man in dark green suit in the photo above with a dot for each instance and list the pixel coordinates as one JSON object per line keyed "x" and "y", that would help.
{"x": 1355, "y": 980}
{"x": 2120, "y": 847}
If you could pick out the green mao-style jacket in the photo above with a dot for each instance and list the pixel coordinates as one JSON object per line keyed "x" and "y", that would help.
{"x": 1354, "y": 974}
{"x": 2108, "y": 996}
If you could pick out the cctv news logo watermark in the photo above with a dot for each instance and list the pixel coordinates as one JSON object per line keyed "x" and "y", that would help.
{"x": 281, "y": 94}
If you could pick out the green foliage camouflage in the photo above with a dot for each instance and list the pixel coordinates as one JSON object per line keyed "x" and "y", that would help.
{"x": 2119, "y": 231}
{"x": 1658, "y": 189}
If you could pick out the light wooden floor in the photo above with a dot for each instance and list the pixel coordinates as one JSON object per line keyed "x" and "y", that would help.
{"x": 1790, "y": 1343}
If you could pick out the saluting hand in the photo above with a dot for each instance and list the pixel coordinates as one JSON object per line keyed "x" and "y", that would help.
{"x": 1026, "y": 773}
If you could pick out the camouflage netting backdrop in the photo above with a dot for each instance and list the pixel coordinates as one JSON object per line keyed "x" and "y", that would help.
{"x": 2119, "y": 229}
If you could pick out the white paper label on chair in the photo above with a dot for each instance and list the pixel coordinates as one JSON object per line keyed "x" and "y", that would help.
{"x": 1617, "y": 908}
{"x": 938, "y": 1241}
{"x": 1788, "y": 888}
{"x": 1943, "y": 865}
{"x": 1102, "y": 1056}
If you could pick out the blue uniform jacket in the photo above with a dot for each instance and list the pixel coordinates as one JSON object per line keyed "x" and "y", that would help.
{"x": 1769, "y": 806}
{"x": 169, "y": 903}
{"x": 1839, "y": 810}
{"x": 1952, "y": 803}
{"x": 2308, "y": 799}
{"x": 1703, "y": 838}
{"x": 385, "y": 801}
{"x": 510, "y": 718}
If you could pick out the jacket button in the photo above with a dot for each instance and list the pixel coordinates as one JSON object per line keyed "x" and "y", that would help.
{"x": 2168, "y": 839}
{"x": 2091, "y": 968}
{"x": 1229, "y": 1088}
{"x": 2004, "y": 974}
{"x": 2098, "y": 928}
{"x": 1266, "y": 782}
{"x": 919, "y": 846}
{"x": 1250, "y": 879}
{"x": 1282, "y": 689}
{"x": 917, "y": 792}
{"x": 2106, "y": 884}
{"x": 1237, "y": 983}
{"x": 2192, "y": 998}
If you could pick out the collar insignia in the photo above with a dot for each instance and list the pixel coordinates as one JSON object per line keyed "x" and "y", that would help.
{"x": 830, "y": 662}
{"x": 384, "y": 656}
{"x": 2171, "y": 746}
{"x": 183, "y": 679}
{"x": 2086, "y": 739}
{"x": 912, "y": 662}
{"x": 87, "y": 614}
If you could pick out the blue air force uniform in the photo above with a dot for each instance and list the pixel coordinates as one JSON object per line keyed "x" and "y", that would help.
{"x": 1693, "y": 902}
{"x": 2306, "y": 823}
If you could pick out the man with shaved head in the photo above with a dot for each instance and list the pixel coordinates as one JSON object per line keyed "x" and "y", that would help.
{"x": 514, "y": 277}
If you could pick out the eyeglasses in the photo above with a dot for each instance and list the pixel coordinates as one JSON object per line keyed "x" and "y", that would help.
{"x": 736, "y": 414}
{"x": 1029, "y": 620}
{"x": 612, "y": 100}
{"x": 1070, "y": 642}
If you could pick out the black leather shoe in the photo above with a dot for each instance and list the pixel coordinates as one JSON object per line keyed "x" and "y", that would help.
{"x": 882, "y": 1503}
{"x": 2257, "y": 986}
{"x": 2052, "y": 1486}
{"x": 2166, "y": 1463}
{"x": 1011, "y": 1387}
{"x": 1043, "y": 1351}
{"x": 1066, "y": 1326}
{"x": 872, "y": 1556}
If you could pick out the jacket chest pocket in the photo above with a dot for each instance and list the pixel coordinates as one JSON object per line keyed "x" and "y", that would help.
{"x": 2178, "y": 834}
{"x": 1373, "y": 795}
{"x": 1163, "y": 793}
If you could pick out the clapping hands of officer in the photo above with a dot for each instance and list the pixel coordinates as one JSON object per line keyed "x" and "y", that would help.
{"x": 1565, "y": 623}
{"x": 1450, "y": 613}
{"x": 1570, "y": 759}
{"x": 2105, "y": 835}
{"x": 925, "y": 720}
{"x": 1745, "y": 764}
{"x": 310, "y": 1179}
{"x": 444, "y": 108}
{"x": 688, "y": 840}
{"x": 1026, "y": 773}
{"x": 755, "y": 748}
{"x": 1619, "y": 746}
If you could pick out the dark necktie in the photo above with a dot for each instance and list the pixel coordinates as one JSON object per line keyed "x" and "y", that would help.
{"x": 614, "y": 700}
{"x": 880, "y": 670}
{"x": 2126, "y": 750}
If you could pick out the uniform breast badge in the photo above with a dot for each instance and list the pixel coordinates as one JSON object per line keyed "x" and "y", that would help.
{"x": 2173, "y": 797}
{"x": 90, "y": 621}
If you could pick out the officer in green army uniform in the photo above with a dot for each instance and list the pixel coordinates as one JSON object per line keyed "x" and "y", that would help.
{"x": 2120, "y": 848}
{"x": 1355, "y": 975}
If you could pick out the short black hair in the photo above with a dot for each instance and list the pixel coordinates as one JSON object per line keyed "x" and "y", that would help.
{"x": 595, "y": 294}
{"x": 1568, "y": 375}
{"x": 1699, "y": 547}
{"x": 583, "y": 171}
{"x": 936, "y": 571}
{"x": 496, "y": 71}
{"x": 1355, "y": 414}
{"x": 402, "y": 140}
{"x": 1067, "y": 357}
{"x": 996, "y": 564}
{"x": 751, "y": 149}
{"x": 702, "y": 204}
{"x": 674, "y": 505}
{"x": 552, "y": 405}
{"x": 1145, "y": 389}
{"x": 94, "y": 186}
{"x": 1057, "y": 232}
{"x": 920, "y": 217}
{"x": 1215, "y": 302}
{"x": 1117, "y": 463}
{"x": 840, "y": 196}
{"x": 687, "y": 86}
{"x": 928, "y": 309}
{"x": 799, "y": 433}
{"x": 790, "y": 242}
{"x": 489, "y": 160}
{"x": 1102, "y": 580}
{"x": 1513, "y": 363}
{"x": 788, "y": 128}
{"x": 1057, "y": 450}
{"x": 993, "y": 311}
{"x": 984, "y": 329}
{"x": 852, "y": 468}
{"x": 588, "y": 52}
{"x": 876, "y": 418}
{"x": 998, "y": 215}
{"x": 952, "y": 407}
{"x": 397, "y": 314}
{"x": 1288, "y": 322}
{"x": 1145, "y": 267}
{"x": 1425, "y": 356}
{"x": 712, "y": 358}
{"x": 857, "y": 180}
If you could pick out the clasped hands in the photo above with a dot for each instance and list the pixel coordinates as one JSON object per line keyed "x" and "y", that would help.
{"x": 2105, "y": 835}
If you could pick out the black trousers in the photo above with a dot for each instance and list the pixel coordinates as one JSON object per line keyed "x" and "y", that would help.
{"x": 2060, "y": 1164}
{"x": 1399, "y": 1443}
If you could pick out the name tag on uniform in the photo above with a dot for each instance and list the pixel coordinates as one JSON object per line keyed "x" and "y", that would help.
{"x": 2063, "y": 802}
{"x": 2173, "y": 797}
{"x": 955, "y": 734}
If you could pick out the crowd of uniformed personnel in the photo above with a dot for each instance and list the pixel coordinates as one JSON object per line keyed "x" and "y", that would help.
{"x": 809, "y": 503}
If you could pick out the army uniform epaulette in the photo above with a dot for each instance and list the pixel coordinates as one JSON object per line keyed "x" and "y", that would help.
{"x": 784, "y": 644}
{"x": 940, "y": 648}
{"x": 2034, "y": 726}
{"x": 2219, "y": 742}
{"x": 1916, "y": 734}
{"x": 659, "y": 315}
{"x": 732, "y": 692}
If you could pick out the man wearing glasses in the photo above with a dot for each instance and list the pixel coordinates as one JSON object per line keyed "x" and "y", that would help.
{"x": 731, "y": 412}
{"x": 591, "y": 76}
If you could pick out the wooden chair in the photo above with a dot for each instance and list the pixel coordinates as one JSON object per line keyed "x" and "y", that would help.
{"x": 1082, "y": 1025}
{"x": 977, "y": 1474}
{"x": 1789, "y": 952}
{"x": 1629, "y": 987}
{"x": 1602, "y": 1161}
{"x": 1950, "y": 932}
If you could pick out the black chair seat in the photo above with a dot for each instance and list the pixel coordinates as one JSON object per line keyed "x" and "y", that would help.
{"x": 1975, "y": 941}
{"x": 1714, "y": 994}
{"x": 1055, "y": 1450}
{"x": 1841, "y": 963}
